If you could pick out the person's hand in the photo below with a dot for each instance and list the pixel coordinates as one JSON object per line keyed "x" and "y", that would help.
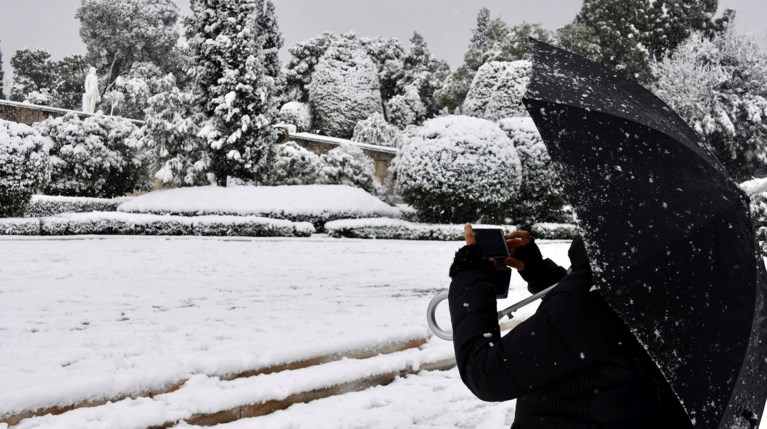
{"x": 468, "y": 234}
{"x": 522, "y": 248}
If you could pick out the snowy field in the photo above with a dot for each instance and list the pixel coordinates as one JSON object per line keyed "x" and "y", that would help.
{"x": 95, "y": 317}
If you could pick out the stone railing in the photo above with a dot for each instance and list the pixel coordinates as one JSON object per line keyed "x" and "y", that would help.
{"x": 26, "y": 113}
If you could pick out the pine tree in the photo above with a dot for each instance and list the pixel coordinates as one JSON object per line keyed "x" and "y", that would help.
{"x": 32, "y": 74}
{"x": 424, "y": 72}
{"x": 69, "y": 75}
{"x": 231, "y": 88}
{"x": 299, "y": 70}
{"x": 272, "y": 40}
{"x": 2, "y": 76}
{"x": 388, "y": 55}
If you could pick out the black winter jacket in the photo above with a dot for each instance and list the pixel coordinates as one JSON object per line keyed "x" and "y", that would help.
{"x": 573, "y": 364}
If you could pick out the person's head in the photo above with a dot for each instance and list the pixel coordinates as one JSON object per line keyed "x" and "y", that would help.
{"x": 577, "y": 253}
{"x": 92, "y": 70}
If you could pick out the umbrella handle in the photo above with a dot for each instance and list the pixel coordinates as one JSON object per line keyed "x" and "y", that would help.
{"x": 431, "y": 311}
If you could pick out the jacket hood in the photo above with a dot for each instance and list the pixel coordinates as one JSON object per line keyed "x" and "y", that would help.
{"x": 577, "y": 253}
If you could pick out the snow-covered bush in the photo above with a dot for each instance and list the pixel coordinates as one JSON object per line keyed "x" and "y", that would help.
{"x": 759, "y": 218}
{"x": 407, "y": 108}
{"x": 719, "y": 86}
{"x": 497, "y": 90}
{"x": 344, "y": 88}
{"x": 395, "y": 229}
{"x": 24, "y": 166}
{"x": 294, "y": 165}
{"x": 298, "y": 114}
{"x": 19, "y": 226}
{"x": 95, "y": 157}
{"x": 348, "y": 165}
{"x": 540, "y": 196}
{"x": 131, "y": 93}
{"x": 375, "y": 130}
{"x": 456, "y": 169}
{"x": 146, "y": 224}
{"x": 46, "y": 205}
{"x": 554, "y": 231}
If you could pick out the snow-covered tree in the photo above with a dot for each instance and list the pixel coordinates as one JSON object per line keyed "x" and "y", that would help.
{"x": 299, "y": 70}
{"x": 118, "y": 33}
{"x": 458, "y": 169}
{"x": 719, "y": 87}
{"x": 348, "y": 165}
{"x": 540, "y": 194}
{"x": 407, "y": 108}
{"x": 298, "y": 114}
{"x": 170, "y": 135}
{"x": 631, "y": 34}
{"x": 497, "y": 90}
{"x": 388, "y": 56}
{"x": 294, "y": 165}
{"x": 95, "y": 157}
{"x": 32, "y": 73}
{"x": 140, "y": 83}
{"x": 424, "y": 72}
{"x": 24, "y": 166}
{"x": 231, "y": 88}
{"x": 579, "y": 38}
{"x": 375, "y": 130}
{"x": 271, "y": 38}
{"x": 344, "y": 88}
{"x": 2, "y": 78}
{"x": 69, "y": 74}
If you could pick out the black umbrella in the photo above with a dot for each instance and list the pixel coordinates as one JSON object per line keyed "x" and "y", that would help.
{"x": 667, "y": 231}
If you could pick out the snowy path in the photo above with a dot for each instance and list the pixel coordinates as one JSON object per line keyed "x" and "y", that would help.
{"x": 104, "y": 317}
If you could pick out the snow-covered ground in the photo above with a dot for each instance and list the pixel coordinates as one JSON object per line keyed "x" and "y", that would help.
{"x": 96, "y": 317}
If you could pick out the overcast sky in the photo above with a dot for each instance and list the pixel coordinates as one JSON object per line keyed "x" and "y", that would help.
{"x": 446, "y": 24}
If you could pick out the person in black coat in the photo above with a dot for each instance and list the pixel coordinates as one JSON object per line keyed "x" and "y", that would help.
{"x": 573, "y": 364}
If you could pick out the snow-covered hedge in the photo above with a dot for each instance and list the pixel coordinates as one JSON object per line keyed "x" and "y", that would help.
{"x": 95, "y": 157}
{"x": 116, "y": 223}
{"x": 294, "y": 165}
{"x": 456, "y": 169}
{"x": 497, "y": 90}
{"x": 396, "y": 229}
{"x": 317, "y": 204}
{"x": 24, "y": 166}
{"x": 375, "y": 130}
{"x": 540, "y": 195}
{"x": 298, "y": 114}
{"x": 46, "y": 205}
{"x": 554, "y": 231}
{"x": 344, "y": 88}
{"x": 347, "y": 164}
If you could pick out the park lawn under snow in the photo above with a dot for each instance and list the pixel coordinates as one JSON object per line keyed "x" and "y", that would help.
{"x": 100, "y": 317}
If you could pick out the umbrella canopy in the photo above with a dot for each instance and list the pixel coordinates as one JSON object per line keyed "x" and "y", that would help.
{"x": 668, "y": 233}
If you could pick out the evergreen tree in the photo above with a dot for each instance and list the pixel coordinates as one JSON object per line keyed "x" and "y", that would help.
{"x": 69, "y": 75}
{"x": 231, "y": 88}
{"x": 118, "y": 33}
{"x": 632, "y": 35}
{"x": 388, "y": 55}
{"x": 424, "y": 72}
{"x": 272, "y": 40}
{"x": 2, "y": 77}
{"x": 299, "y": 70}
{"x": 32, "y": 73}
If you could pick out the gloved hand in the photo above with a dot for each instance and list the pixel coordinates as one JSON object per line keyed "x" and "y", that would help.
{"x": 470, "y": 257}
{"x": 525, "y": 255}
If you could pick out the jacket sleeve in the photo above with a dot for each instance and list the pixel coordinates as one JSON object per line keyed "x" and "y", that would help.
{"x": 559, "y": 339}
{"x": 542, "y": 274}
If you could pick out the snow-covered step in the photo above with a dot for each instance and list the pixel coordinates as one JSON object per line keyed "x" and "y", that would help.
{"x": 205, "y": 400}
{"x": 355, "y": 353}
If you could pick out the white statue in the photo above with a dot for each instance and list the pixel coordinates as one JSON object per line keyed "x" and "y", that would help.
{"x": 91, "y": 96}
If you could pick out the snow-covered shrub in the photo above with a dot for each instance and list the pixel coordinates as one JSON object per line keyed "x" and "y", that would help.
{"x": 250, "y": 227}
{"x": 395, "y": 229}
{"x": 131, "y": 93}
{"x": 407, "y": 108}
{"x": 46, "y": 205}
{"x": 298, "y": 114}
{"x": 759, "y": 218}
{"x": 375, "y": 130}
{"x": 719, "y": 86}
{"x": 348, "y": 165}
{"x": 456, "y": 169}
{"x": 540, "y": 195}
{"x": 19, "y": 226}
{"x": 344, "y": 88}
{"x": 24, "y": 166}
{"x": 294, "y": 165}
{"x": 497, "y": 90}
{"x": 95, "y": 157}
{"x": 554, "y": 231}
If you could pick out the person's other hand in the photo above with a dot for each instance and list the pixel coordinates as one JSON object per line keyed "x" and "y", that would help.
{"x": 523, "y": 250}
{"x": 468, "y": 234}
